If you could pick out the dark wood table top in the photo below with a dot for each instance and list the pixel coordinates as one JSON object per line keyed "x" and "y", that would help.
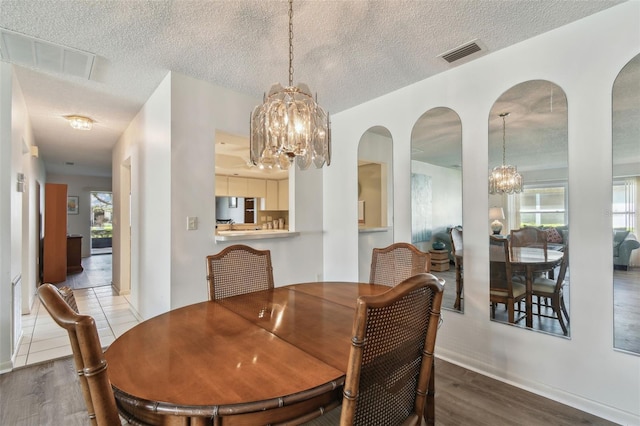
{"x": 253, "y": 350}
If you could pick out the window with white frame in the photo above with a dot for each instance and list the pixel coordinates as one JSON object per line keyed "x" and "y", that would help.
{"x": 544, "y": 205}
{"x": 623, "y": 210}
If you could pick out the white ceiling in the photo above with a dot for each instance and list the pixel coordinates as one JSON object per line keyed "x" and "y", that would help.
{"x": 349, "y": 51}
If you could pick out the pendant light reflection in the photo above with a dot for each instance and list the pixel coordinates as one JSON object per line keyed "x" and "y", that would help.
{"x": 504, "y": 179}
{"x": 289, "y": 126}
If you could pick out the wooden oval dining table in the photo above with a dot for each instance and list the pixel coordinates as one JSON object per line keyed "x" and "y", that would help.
{"x": 254, "y": 359}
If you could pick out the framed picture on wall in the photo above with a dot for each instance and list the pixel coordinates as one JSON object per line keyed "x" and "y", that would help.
{"x": 72, "y": 204}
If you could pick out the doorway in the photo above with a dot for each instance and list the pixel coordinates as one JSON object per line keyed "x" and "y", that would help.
{"x": 101, "y": 222}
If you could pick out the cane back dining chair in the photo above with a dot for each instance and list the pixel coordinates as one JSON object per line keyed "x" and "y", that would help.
{"x": 529, "y": 236}
{"x": 393, "y": 264}
{"x": 390, "y": 363}
{"x": 238, "y": 269}
{"x": 88, "y": 357}
{"x": 456, "y": 245}
{"x": 503, "y": 288}
{"x": 545, "y": 288}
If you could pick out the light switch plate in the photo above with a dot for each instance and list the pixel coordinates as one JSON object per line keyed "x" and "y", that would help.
{"x": 192, "y": 223}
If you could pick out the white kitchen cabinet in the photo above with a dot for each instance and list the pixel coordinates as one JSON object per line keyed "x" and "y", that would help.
{"x": 222, "y": 186}
{"x": 270, "y": 201}
{"x": 237, "y": 186}
{"x": 283, "y": 194}
{"x": 256, "y": 188}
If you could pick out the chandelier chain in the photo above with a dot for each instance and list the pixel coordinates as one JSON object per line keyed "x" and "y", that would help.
{"x": 290, "y": 43}
{"x": 504, "y": 138}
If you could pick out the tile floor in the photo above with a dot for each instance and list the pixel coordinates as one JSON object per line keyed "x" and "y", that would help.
{"x": 44, "y": 340}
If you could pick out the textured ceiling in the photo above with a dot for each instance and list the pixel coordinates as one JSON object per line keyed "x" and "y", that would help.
{"x": 347, "y": 51}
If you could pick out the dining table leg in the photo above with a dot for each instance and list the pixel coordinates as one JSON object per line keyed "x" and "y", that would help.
{"x": 529, "y": 297}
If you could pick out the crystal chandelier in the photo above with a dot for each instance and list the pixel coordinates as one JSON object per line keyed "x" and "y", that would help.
{"x": 504, "y": 179}
{"x": 289, "y": 125}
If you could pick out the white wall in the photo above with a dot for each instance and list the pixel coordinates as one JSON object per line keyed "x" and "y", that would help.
{"x": 170, "y": 144}
{"x": 145, "y": 147}
{"x": 584, "y": 371}
{"x": 6, "y": 218}
{"x": 33, "y": 170}
{"x": 19, "y": 239}
{"x": 81, "y": 186}
{"x": 198, "y": 110}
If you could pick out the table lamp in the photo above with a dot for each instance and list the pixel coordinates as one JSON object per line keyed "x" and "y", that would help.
{"x": 496, "y": 214}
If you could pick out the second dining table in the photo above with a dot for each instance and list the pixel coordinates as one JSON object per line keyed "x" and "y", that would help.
{"x": 527, "y": 260}
{"x": 258, "y": 358}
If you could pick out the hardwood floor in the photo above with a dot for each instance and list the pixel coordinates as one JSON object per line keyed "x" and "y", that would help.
{"x": 464, "y": 397}
{"x": 49, "y": 394}
{"x": 626, "y": 310}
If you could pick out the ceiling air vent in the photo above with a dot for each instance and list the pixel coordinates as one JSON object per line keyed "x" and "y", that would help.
{"x": 42, "y": 55}
{"x": 462, "y": 51}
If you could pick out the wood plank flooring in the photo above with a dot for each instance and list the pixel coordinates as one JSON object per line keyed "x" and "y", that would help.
{"x": 49, "y": 394}
{"x": 626, "y": 310}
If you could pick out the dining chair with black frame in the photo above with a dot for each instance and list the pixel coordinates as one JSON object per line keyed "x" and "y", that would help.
{"x": 238, "y": 269}
{"x": 393, "y": 264}
{"x": 391, "y": 358}
{"x": 88, "y": 358}
{"x": 503, "y": 287}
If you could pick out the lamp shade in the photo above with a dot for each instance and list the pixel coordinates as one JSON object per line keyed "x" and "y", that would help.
{"x": 496, "y": 213}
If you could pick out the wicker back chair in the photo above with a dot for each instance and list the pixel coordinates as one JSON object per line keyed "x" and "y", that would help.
{"x": 529, "y": 236}
{"x": 393, "y": 264}
{"x": 503, "y": 289}
{"x": 391, "y": 357}
{"x": 456, "y": 244}
{"x": 87, "y": 355}
{"x": 238, "y": 269}
{"x": 553, "y": 289}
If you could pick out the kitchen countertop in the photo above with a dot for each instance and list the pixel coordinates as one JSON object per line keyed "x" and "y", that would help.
{"x": 259, "y": 234}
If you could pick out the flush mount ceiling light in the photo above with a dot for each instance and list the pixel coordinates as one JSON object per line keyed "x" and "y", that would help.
{"x": 289, "y": 125}
{"x": 79, "y": 122}
{"x": 504, "y": 179}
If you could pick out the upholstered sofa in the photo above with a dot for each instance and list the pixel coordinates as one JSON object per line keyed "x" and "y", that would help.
{"x": 623, "y": 244}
